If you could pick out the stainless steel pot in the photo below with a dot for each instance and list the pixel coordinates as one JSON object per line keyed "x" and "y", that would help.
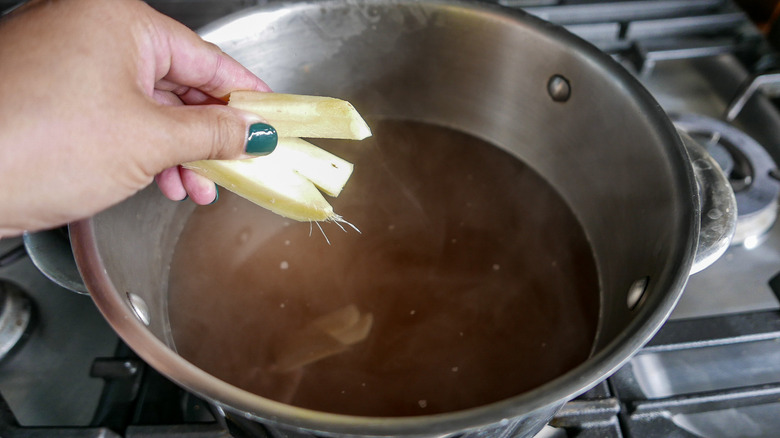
{"x": 529, "y": 87}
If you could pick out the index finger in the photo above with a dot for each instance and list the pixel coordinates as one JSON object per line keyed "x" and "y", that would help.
{"x": 186, "y": 59}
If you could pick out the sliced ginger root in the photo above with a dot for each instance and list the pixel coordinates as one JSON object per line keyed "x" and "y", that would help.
{"x": 285, "y": 181}
{"x": 294, "y": 115}
{"x": 288, "y": 181}
{"x": 325, "y": 336}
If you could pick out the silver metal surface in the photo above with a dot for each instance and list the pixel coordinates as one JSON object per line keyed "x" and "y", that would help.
{"x": 718, "y": 206}
{"x": 636, "y": 292}
{"x": 751, "y": 86}
{"x": 15, "y": 317}
{"x": 620, "y": 11}
{"x": 609, "y": 150}
{"x": 47, "y": 382}
{"x": 756, "y": 190}
{"x": 51, "y": 253}
{"x": 559, "y": 88}
{"x": 139, "y": 307}
{"x": 715, "y": 368}
{"x": 739, "y": 281}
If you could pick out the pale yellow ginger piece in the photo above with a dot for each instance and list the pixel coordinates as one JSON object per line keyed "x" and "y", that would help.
{"x": 347, "y": 325}
{"x": 330, "y": 334}
{"x": 325, "y": 170}
{"x": 284, "y": 181}
{"x": 295, "y": 115}
{"x": 338, "y": 320}
{"x": 306, "y": 347}
{"x": 357, "y": 332}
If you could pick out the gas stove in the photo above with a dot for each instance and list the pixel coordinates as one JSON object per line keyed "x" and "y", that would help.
{"x": 713, "y": 369}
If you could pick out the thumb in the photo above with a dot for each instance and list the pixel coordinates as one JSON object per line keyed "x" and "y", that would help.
{"x": 200, "y": 132}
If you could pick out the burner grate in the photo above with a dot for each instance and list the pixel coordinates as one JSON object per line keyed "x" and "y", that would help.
{"x": 675, "y": 411}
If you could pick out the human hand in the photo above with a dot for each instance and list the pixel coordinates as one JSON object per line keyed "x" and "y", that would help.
{"x": 97, "y": 97}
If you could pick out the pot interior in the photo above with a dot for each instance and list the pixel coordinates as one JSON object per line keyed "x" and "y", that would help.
{"x": 536, "y": 95}
{"x": 450, "y": 286}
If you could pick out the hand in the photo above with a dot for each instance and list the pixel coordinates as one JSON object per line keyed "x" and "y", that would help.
{"x": 96, "y": 98}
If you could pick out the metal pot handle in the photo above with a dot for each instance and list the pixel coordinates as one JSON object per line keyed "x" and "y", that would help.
{"x": 51, "y": 253}
{"x": 717, "y": 204}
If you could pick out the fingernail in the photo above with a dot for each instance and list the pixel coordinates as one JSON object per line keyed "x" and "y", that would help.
{"x": 216, "y": 194}
{"x": 261, "y": 139}
{"x": 184, "y": 198}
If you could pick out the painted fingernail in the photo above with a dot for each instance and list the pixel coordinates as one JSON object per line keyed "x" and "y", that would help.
{"x": 261, "y": 139}
{"x": 216, "y": 195}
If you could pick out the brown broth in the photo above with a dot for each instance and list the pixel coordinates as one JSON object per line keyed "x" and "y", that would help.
{"x": 479, "y": 278}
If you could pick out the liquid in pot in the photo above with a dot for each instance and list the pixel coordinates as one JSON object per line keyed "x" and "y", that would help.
{"x": 478, "y": 279}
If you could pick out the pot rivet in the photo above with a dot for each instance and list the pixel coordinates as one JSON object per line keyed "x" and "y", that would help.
{"x": 558, "y": 88}
{"x": 636, "y": 292}
{"x": 139, "y": 307}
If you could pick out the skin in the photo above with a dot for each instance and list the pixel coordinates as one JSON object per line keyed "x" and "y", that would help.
{"x": 98, "y": 99}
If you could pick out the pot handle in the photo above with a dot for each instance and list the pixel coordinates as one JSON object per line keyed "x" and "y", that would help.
{"x": 717, "y": 204}
{"x": 51, "y": 253}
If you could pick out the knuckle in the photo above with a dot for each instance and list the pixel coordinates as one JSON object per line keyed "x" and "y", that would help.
{"x": 227, "y": 135}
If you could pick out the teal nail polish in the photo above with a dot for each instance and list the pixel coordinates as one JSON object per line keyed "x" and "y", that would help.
{"x": 261, "y": 139}
{"x": 216, "y": 197}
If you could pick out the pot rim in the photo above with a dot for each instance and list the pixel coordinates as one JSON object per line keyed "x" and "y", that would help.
{"x": 651, "y": 315}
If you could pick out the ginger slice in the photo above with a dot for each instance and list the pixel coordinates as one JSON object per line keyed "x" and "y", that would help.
{"x": 357, "y": 332}
{"x": 287, "y": 180}
{"x": 325, "y": 170}
{"x": 325, "y": 336}
{"x": 306, "y": 347}
{"x": 295, "y": 115}
{"x": 338, "y": 320}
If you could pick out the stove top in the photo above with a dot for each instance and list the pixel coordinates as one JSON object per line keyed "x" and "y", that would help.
{"x": 713, "y": 370}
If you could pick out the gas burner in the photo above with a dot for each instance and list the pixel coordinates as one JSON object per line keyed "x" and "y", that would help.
{"x": 748, "y": 167}
{"x": 15, "y": 317}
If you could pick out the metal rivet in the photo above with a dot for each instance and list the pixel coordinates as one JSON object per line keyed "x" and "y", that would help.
{"x": 139, "y": 307}
{"x": 558, "y": 88}
{"x": 636, "y": 292}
